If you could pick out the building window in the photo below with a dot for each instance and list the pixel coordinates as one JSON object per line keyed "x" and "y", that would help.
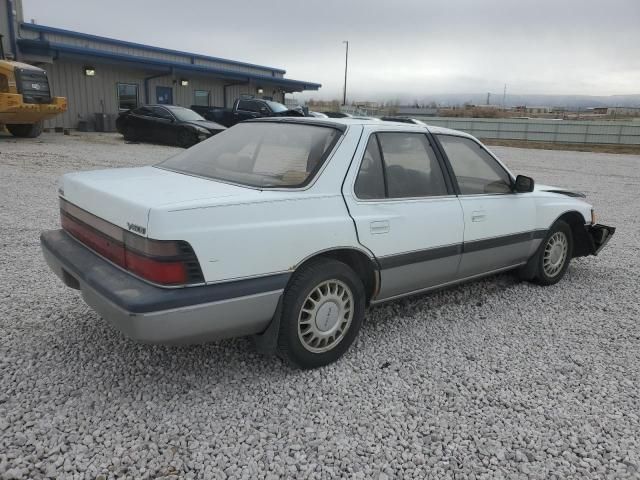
{"x": 127, "y": 96}
{"x": 201, "y": 98}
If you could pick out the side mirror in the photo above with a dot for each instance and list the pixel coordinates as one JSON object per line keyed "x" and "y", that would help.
{"x": 524, "y": 184}
{"x": 264, "y": 111}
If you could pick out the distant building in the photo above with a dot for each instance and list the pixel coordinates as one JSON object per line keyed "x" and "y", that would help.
{"x": 534, "y": 110}
{"x": 539, "y": 110}
{"x": 417, "y": 111}
{"x": 632, "y": 111}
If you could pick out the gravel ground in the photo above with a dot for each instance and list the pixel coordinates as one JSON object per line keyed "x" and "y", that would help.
{"x": 493, "y": 379}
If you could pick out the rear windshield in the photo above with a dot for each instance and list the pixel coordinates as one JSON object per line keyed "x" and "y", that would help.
{"x": 265, "y": 155}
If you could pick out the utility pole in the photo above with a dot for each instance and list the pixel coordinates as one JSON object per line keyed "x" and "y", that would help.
{"x": 346, "y": 63}
{"x": 504, "y": 97}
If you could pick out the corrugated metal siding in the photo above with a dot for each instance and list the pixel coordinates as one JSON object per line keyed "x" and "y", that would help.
{"x": 560, "y": 131}
{"x": 87, "y": 96}
{"x": 4, "y": 26}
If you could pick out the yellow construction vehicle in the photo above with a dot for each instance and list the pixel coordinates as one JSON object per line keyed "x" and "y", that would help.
{"x": 25, "y": 98}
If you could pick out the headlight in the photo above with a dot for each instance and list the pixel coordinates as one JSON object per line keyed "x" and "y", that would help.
{"x": 201, "y": 130}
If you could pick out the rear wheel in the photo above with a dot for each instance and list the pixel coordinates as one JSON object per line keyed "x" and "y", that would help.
{"x": 322, "y": 312}
{"x": 554, "y": 254}
{"x": 32, "y": 130}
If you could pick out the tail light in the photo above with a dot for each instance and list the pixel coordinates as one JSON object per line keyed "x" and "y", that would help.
{"x": 165, "y": 262}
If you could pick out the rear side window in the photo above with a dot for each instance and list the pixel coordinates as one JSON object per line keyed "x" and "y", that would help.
{"x": 370, "y": 180}
{"x": 476, "y": 171}
{"x": 411, "y": 166}
{"x": 162, "y": 113}
{"x": 249, "y": 105}
{"x": 399, "y": 165}
{"x": 259, "y": 154}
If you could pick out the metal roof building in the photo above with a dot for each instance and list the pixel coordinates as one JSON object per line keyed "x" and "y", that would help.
{"x": 101, "y": 75}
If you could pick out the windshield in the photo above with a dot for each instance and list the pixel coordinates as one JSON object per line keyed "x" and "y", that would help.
{"x": 276, "y": 107}
{"x": 259, "y": 154}
{"x": 186, "y": 115}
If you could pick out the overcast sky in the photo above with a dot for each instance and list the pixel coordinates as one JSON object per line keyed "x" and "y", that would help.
{"x": 398, "y": 48}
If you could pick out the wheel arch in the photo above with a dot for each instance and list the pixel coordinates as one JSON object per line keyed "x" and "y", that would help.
{"x": 577, "y": 222}
{"x": 362, "y": 264}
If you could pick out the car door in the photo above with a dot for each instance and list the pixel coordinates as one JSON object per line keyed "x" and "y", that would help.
{"x": 164, "y": 128}
{"x": 499, "y": 224}
{"x": 139, "y": 121}
{"x": 405, "y": 211}
{"x": 246, "y": 110}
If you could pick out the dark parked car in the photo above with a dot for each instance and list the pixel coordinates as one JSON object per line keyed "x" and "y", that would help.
{"x": 246, "y": 109}
{"x": 413, "y": 121}
{"x": 337, "y": 115}
{"x": 166, "y": 124}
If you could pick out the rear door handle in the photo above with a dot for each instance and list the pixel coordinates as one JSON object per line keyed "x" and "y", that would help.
{"x": 381, "y": 226}
{"x": 478, "y": 216}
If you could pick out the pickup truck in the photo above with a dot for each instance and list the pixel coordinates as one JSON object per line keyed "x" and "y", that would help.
{"x": 246, "y": 109}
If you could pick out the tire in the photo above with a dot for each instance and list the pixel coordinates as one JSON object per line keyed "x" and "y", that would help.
{"x": 186, "y": 139}
{"x": 554, "y": 254}
{"x": 317, "y": 297}
{"x": 32, "y": 130}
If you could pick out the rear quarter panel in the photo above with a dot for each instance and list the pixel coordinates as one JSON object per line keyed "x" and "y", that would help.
{"x": 269, "y": 231}
{"x": 261, "y": 238}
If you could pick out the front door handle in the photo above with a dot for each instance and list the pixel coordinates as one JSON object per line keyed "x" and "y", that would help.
{"x": 478, "y": 216}
{"x": 381, "y": 226}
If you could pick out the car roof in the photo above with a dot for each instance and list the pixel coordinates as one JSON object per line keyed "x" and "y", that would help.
{"x": 164, "y": 105}
{"x": 342, "y": 123}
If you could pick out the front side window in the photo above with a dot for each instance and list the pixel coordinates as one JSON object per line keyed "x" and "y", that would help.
{"x": 411, "y": 166}
{"x": 259, "y": 154}
{"x": 201, "y": 98}
{"x": 477, "y": 172}
{"x": 127, "y": 96}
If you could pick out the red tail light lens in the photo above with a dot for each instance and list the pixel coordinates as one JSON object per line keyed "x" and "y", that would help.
{"x": 166, "y": 262}
{"x": 166, "y": 273}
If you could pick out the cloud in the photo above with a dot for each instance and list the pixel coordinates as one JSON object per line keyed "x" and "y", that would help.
{"x": 398, "y": 49}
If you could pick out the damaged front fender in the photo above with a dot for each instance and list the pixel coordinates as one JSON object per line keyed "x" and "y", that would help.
{"x": 598, "y": 237}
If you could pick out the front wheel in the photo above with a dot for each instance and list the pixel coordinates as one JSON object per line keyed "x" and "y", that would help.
{"x": 187, "y": 138}
{"x": 554, "y": 254}
{"x": 32, "y": 130}
{"x": 322, "y": 312}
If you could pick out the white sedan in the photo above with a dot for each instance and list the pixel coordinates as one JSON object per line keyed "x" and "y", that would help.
{"x": 287, "y": 229}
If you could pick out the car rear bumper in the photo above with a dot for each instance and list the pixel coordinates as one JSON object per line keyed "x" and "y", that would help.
{"x": 599, "y": 236}
{"x": 154, "y": 314}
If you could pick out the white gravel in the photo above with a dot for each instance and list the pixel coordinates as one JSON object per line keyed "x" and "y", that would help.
{"x": 493, "y": 379}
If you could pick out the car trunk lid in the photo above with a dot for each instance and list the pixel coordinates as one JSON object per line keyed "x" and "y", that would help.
{"x": 125, "y": 196}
